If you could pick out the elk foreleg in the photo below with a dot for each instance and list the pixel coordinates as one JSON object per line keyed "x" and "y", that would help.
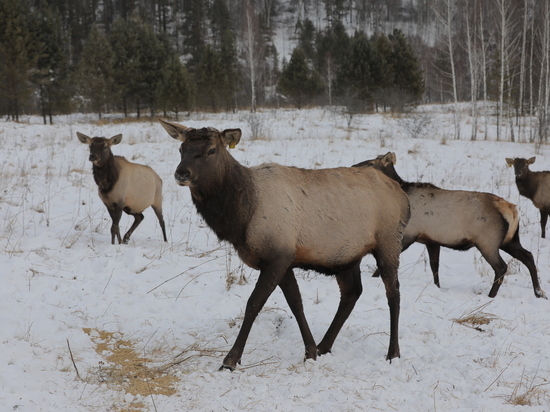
{"x": 270, "y": 276}
{"x": 116, "y": 213}
{"x": 543, "y": 220}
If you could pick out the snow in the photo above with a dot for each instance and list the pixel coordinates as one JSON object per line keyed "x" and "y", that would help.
{"x": 71, "y": 301}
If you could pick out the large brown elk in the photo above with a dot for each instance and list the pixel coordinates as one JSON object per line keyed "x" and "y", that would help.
{"x": 534, "y": 186}
{"x": 279, "y": 218}
{"x": 460, "y": 220}
{"x": 123, "y": 185}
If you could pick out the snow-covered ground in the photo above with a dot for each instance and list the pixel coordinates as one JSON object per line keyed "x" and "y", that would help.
{"x": 90, "y": 326}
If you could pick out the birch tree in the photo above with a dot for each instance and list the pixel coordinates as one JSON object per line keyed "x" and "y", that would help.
{"x": 544, "y": 82}
{"x": 445, "y": 17}
{"x": 507, "y": 46}
{"x": 473, "y": 65}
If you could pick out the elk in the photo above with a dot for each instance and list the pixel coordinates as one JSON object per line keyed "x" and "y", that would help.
{"x": 279, "y": 218}
{"x": 534, "y": 186}
{"x": 123, "y": 185}
{"x": 460, "y": 220}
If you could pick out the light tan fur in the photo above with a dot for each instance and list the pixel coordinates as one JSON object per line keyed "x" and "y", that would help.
{"x": 307, "y": 217}
{"x": 138, "y": 187}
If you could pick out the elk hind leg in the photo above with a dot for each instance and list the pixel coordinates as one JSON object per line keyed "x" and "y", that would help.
{"x": 388, "y": 263}
{"x": 290, "y": 289}
{"x": 433, "y": 254}
{"x": 351, "y": 288}
{"x": 138, "y": 218}
{"x": 516, "y": 250}
{"x": 158, "y": 212}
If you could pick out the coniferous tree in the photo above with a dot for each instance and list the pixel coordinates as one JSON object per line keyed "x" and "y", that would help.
{"x": 355, "y": 81}
{"x": 298, "y": 82}
{"x": 19, "y": 53}
{"x": 306, "y": 37}
{"x": 194, "y": 30}
{"x": 210, "y": 75}
{"x": 176, "y": 92}
{"x": 228, "y": 58}
{"x": 51, "y": 76}
{"x": 95, "y": 71}
{"x": 407, "y": 76}
{"x": 125, "y": 66}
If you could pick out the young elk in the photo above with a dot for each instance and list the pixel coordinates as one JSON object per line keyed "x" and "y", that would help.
{"x": 123, "y": 185}
{"x": 279, "y": 218}
{"x": 459, "y": 220}
{"x": 533, "y": 185}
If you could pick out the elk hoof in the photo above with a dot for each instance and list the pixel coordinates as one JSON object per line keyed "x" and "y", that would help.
{"x": 539, "y": 293}
{"x": 226, "y": 367}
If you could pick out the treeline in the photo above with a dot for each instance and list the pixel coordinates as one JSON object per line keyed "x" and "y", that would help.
{"x": 59, "y": 56}
{"x": 174, "y": 56}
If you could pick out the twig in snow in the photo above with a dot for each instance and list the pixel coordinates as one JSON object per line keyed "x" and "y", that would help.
{"x": 72, "y": 359}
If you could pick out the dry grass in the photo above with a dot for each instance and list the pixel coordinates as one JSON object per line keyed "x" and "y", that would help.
{"x": 527, "y": 393}
{"x": 474, "y": 318}
{"x": 124, "y": 369}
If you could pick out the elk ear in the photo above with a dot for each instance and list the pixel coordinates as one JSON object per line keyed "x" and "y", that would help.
{"x": 388, "y": 158}
{"x": 531, "y": 160}
{"x": 83, "y": 138}
{"x": 176, "y": 131}
{"x": 509, "y": 162}
{"x": 115, "y": 139}
{"x": 231, "y": 137}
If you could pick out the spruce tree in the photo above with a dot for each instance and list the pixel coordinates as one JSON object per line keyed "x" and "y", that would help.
{"x": 210, "y": 75}
{"x": 176, "y": 92}
{"x": 298, "y": 82}
{"x": 51, "y": 76}
{"x": 407, "y": 76}
{"x": 19, "y": 53}
{"x": 95, "y": 71}
{"x": 355, "y": 77}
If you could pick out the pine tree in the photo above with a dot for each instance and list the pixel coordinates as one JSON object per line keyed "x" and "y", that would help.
{"x": 95, "y": 71}
{"x": 19, "y": 53}
{"x": 176, "y": 93}
{"x": 209, "y": 78}
{"x": 355, "y": 79}
{"x": 51, "y": 76}
{"x": 407, "y": 76}
{"x": 298, "y": 82}
{"x": 125, "y": 67}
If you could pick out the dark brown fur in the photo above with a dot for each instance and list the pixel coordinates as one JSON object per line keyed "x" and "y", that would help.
{"x": 461, "y": 220}
{"x": 534, "y": 186}
{"x": 279, "y": 218}
{"x": 123, "y": 186}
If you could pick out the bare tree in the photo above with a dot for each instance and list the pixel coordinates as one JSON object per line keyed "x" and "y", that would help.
{"x": 507, "y": 46}
{"x": 251, "y": 39}
{"x": 471, "y": 46}
{"x": 445, "y": 17}
{"x": 544, "y": 82}
{"x": 522, "y": 69}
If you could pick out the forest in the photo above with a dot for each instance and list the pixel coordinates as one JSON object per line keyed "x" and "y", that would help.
{"x": 153, "y": 57}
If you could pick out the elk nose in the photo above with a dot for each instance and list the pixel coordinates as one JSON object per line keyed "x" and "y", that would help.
{"x": 93, "y": 157}
{"x": 182, "y": 176}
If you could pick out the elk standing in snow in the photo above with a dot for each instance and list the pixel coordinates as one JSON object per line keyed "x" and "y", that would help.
{"x": 533, "y": 185}
{"x": 459, "y": 220}
{"x": 123, "y": 185}
{"x": 279, "y": 218}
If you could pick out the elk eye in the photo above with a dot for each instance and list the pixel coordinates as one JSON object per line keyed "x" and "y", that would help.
{"x": 211, "y": 151}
